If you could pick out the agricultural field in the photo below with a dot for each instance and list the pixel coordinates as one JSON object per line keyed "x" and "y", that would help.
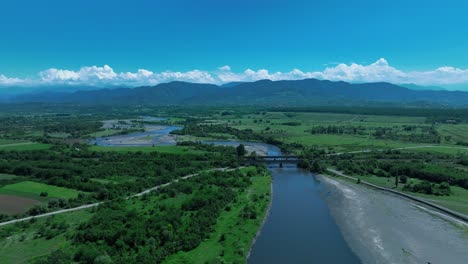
{"x": 18, "y": 197}
{"x": 454, "y": 133}
{"x": 12, "y": 204}
{"x": 339, "y": 132}
{"x": 32, "y": 189}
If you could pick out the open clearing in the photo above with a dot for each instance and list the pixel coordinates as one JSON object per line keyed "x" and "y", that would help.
{"x": 33, "y": 189}
{"x": 10, "y": 204}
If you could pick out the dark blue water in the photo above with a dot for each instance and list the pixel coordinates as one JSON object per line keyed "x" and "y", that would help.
{"x": 299, "y": 228}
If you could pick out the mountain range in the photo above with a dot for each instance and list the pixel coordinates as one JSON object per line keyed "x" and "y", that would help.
{"x": 264, "y": 92}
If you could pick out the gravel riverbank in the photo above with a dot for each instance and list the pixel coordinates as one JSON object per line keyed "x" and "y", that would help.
{"x": 385, "y": 228}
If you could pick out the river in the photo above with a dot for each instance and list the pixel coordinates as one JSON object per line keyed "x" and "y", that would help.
{"x": 154, "y": 135}
{"x": 299, "y": 227}
{"x": 316, "y": 219}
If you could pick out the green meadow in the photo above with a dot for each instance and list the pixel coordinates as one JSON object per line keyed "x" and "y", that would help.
{"x": 32, "y": 189}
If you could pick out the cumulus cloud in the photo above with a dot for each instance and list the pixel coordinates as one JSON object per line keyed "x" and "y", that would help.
{"x": 379, "y": 71}
{"x": 225, "y": 68}
{"x": 10, "y": 81}
{"x": 91, "y": 75}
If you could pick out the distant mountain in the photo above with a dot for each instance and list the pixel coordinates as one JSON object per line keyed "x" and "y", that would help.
{"x": 231, "y": 84}
{"x": 413, "y": 86}
{"x": 264, "y": 92}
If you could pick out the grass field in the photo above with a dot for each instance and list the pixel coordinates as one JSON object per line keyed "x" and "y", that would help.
{"x": 20, "y": 244}
{"x": 453, "y": 150}
{"x": 273, "y": 123}
{"x": 457, "y": 201}
{"x": 237, "y": 236}
{"x": 457, "y": 133}
{"x": 33, "y": 189}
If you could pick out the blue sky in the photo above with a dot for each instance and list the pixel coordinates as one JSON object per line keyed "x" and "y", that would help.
{"x": 181, "y": 36}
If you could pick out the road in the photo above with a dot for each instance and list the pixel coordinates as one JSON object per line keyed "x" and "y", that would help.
{"x": 414, "y": 147}
{"x": 86, "y": 206}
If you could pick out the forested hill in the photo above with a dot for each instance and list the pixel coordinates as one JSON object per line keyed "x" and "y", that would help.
{"x": 264, "y": 92}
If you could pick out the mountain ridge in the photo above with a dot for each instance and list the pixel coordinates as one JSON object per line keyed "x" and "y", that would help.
{"x": 262, "y": 92}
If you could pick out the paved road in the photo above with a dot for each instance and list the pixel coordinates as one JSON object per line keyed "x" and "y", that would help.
{"x": 86, "y": 206}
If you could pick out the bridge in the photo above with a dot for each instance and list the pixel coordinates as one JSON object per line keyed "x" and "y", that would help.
{"x": 288, "y": 159}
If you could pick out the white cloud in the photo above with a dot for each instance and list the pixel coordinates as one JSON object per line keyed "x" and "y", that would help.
{"x": 379, "y": 71}
{"x": 52, "y": 75}
{"x": 5, "y": 81}
{"x": 225, "y": 68}
{"x": 90, "y": 75}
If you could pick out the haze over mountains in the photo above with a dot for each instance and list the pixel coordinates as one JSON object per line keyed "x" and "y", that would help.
{"x": 264, "y": 92}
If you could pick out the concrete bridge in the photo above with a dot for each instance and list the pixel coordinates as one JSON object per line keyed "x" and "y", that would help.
{"x": 287, "y": 159}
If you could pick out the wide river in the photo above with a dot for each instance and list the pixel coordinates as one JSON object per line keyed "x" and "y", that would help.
{"x": 154, "y": 135}
{"x": 316, "y": 219}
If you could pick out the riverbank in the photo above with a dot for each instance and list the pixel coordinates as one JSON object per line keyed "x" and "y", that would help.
{"x": 383, "y": 227}
{"x": 459, "y": 217}
{"x": 265, "y": 217}
{"x": 233, "y": 233}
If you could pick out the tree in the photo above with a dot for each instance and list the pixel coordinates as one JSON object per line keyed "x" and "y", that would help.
{"x": 403, "y": 179}
{"x": 316, "y": 167}
{"x": 57, "y": 257}
{"x": 241, "y": 150}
